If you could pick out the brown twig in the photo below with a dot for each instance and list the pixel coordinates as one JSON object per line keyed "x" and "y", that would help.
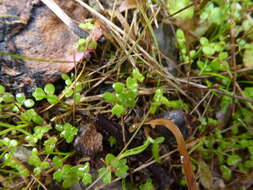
{"x": 185, "y": 159}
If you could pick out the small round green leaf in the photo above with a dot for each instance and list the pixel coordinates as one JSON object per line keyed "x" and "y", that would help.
{"x": 118, "y": 87}
{"x": 28, "y": 103}
{"x": 132, "y": 84}
{"x": 49, "y": 89}
{"x": 109, "y": 97}
{"x": 68, "y": 92}
{"x": 77, "y": 97}
{"x": 78, "y": 87}
{"x": 2, "y": 89}
{"x": 137, "y": 75}
{"x": 8, "y": 98}
{"x": 65, "y": 76}
{"x": 20, "y": 97}
{"x": 118, "y": 110}
{"x": 39, "y": 94}
{"x": 52, "y": 99}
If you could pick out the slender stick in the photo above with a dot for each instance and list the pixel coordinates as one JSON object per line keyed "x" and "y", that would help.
{"x": 65, "y": 18}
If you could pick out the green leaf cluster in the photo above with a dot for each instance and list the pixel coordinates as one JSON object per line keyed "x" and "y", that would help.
{"x": 228, "y": 147}
{"x": 21, "y": 99}
{"x": 85, "y": 44}
{"x": 73, "y": 174}
{"x": 11, "y": 161}
{"x": 31, "y": 116}
{"x": 125, "y": 94}
{"x": 50, "y": 144}
{"x": 159, "y": 99}
{"x": 35, "y": 160}
{"x": 46, "y": 93}
{"x": 39, "y": 131}
{"x": 114, "y": 164}
{"x": 68, "y": 132}
{"x": 9, "y": 143}
{"x": 70, "y": 88}
{"x": 7, "y": 101}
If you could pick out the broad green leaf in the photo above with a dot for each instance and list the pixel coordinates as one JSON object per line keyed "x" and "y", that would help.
{"x": 92, "y": 44}
{"x": 208, "y": 50}
{"x": 82, "y": 42}
{"x": 154, "y": 107}
{"x": 31, "y": 115}
{"x": 158, "y": 95}
{"x": 39, "y": 131}
{"x": 203, "y": 41}
{"x": 34, "y": 159}
{"x": 59, "y": 127}
{"x": 68, "y": 82}
{"x": 44, "y": 165}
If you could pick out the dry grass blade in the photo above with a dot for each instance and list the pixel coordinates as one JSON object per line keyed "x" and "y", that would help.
{"x": 190, "y": 177}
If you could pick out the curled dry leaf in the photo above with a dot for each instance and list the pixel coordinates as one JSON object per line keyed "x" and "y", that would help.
{"x": 185, "y": 159}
